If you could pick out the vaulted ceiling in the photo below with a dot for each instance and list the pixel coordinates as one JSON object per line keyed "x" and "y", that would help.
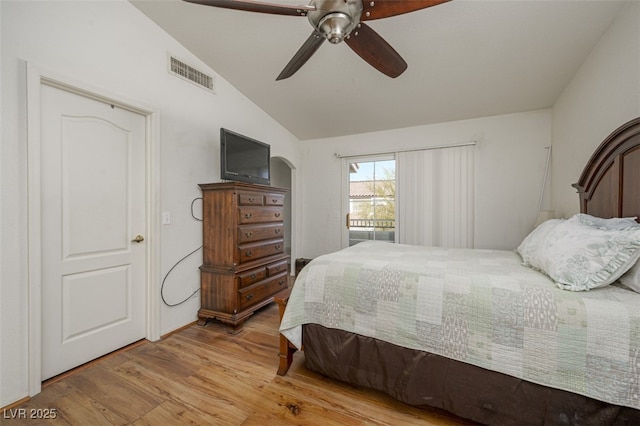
{"x": 466, "y": 59}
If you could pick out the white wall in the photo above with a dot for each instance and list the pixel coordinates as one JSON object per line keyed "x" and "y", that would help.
{"x": 113, "y": 47}
{"x": 510, "y": 161}
{"x": 603, "y": 95}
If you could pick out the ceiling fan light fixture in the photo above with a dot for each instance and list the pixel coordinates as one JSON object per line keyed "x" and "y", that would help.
{"x": 336, "y": 26}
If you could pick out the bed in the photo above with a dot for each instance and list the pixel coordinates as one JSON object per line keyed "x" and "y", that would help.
{"x": 546, "y": 334}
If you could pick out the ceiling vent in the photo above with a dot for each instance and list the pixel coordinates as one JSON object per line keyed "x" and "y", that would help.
{"x": 187, "y": 72}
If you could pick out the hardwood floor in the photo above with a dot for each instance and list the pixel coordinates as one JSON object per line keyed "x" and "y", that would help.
{"x": 203, "y": 375}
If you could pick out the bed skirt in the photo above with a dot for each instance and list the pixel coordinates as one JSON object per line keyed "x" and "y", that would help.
{"x": 427, "y": 380}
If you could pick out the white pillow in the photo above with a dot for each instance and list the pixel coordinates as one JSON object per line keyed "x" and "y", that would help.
{"x": 582, "y": 257}
{"x": 535, "y": 241}
{"x": 612, "y": 223}
{"x": 631, "y": 278}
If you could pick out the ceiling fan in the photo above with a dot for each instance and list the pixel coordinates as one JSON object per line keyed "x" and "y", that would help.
{"x": 338, "y": 20}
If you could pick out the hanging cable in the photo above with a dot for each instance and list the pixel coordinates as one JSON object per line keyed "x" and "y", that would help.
{"x": 177, "y": 263}
{"x": 544, "y": 177}
{"x": 192, "y": 203}
{"x": 165, "y": 279}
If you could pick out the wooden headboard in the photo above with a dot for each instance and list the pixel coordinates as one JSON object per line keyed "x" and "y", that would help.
{"x": 610, "y": 183}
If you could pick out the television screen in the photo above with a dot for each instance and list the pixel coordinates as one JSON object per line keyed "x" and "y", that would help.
{"x": 244, "y": 159}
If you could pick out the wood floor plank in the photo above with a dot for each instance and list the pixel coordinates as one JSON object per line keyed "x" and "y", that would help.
{"x": 77, "y": 408}
{"x": 162, "y": 358}
{"x": 205, "y": 376}
{"x": 115, "y": 393}
{"x": 228, "y": 395}
{"x": 277, "y": 408}
{"x": 248, "y": 358}
{"x": 203, "y": 401}
{"x": 170, "y": 413}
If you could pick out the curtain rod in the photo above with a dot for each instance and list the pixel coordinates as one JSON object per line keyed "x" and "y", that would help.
{"x": 338, "y": 155}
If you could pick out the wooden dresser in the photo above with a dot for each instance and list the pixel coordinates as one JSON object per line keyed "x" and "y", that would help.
{"x": 244, "y": 261}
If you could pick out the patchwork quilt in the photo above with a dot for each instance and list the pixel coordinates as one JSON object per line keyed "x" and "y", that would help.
{"x": 482, "y": 307}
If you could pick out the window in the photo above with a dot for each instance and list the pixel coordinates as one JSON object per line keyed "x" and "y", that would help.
{"x": 419, "y": 196}
{"x": 371, "y": 199}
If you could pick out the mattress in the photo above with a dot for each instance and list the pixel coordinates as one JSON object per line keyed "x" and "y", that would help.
{"x": 480, "y": 307}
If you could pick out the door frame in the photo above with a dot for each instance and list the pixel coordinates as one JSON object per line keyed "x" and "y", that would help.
{"x": 35, "y": 78}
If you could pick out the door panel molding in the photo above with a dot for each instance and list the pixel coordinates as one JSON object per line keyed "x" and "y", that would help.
{"x": 36, "y": 77}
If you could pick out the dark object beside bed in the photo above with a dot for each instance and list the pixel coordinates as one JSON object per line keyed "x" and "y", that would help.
{"x": 608, "y": 187}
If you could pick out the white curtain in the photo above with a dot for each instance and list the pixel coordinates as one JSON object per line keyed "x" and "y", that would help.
{"x": 435, "y": 197}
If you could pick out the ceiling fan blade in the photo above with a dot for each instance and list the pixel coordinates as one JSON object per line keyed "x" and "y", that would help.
{"x": 302, "y": 55}
{"x": 257, "y": 6}
{"x": 376, "y": 51}
{"x": 379, "y": 9}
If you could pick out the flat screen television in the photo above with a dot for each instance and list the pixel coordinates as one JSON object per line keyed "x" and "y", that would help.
{"x": 244, "y": 159}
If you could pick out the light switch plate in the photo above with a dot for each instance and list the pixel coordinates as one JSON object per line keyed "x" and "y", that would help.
{"x": 166, "y": 218}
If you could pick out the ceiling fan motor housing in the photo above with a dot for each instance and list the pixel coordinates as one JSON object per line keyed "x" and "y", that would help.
{"x": 335, "y": 19}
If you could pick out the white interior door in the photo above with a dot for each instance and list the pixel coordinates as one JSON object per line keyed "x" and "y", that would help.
{"x": 92, "y": 207}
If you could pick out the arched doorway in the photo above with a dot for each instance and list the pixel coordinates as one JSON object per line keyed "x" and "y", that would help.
{"x": 281, "y": 177}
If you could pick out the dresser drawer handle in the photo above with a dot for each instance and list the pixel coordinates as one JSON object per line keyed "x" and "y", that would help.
{"x": 274, "y": 200}
{"x": 277, "y": 214}
{"x": 248, "y": 253}
{"x": 278, "y": 230}
{"x": 277, "y": 268}
{"x": 249, "y": 296}
{"x": 251, "y": 199}
{"x": 253, "y": 276}
{"x": 248, "y": 215}
{"x": 282, "y": 282}
{"x": 248, "y": 234}
{"x": 278, "y": 246}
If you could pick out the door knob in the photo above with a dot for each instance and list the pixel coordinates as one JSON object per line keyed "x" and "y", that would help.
{"x": 138, "y": 239}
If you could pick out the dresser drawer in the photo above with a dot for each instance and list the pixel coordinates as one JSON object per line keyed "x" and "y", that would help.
{"x": 252, "y": 276}
{"x": 277, "y": 268}
{"x": 260, "y": 291}
{"x": 274, "y": 200}
{"x": 249, "y": 233}
{"x": 252, "y": 251}
{"x": 250, "y": 199}
{"x": 260, "y": 214}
